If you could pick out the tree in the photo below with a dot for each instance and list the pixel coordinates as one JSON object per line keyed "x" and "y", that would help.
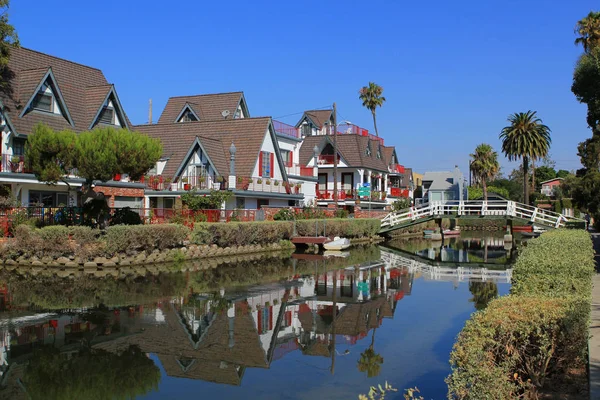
{"x": 563, "y": 173}
{"x": 586, "y": 85}
{"x": 8, "y": 35}
{"x": 544, "y": 173}
{"x": 97, "y": 155}
{"x": 484, "y": 165}
{"x": 525, "y": 138}
{"x": 588, "y": 30}
{"x": 372, "y": 98}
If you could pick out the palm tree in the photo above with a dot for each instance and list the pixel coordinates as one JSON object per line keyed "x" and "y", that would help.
{"x": 588, "y": 30}
{"x": 485, "y": 166}
{"x": 525, "y": 138}
{"x": 372, "y": 98}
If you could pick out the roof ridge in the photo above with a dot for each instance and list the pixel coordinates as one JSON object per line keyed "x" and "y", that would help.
{"x": 62, "y": 59}
{"x": 205, "y": 94}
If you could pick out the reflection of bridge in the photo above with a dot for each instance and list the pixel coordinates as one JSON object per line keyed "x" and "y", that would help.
{"x": 509, "y": 210}
{"x": 439, "y": 273}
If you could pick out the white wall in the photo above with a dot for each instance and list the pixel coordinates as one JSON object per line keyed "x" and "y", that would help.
{"x": 268, "y": 146}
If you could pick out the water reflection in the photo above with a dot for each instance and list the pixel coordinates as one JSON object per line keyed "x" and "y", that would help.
{"x": 206, "y": 325}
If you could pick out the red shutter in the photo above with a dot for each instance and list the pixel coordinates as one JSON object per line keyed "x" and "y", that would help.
{"x": 272, "y": 163}
{"x": 260, "y": 156}
{"x": 291, "y": 162}
{"x": 271, "y": 318}
{"x": 259, "y": 318}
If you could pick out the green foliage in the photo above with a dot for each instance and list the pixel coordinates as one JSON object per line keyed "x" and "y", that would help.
{"x": 90, "y": 374}
{"x": 401, "y": 204}
{"x": 241, "y": 233}
{"x": 476, "y": 193}
{"x": 370, "y": 362}
{"x": 537, "y": 332}
{"x": 213, "y": 201}
{"x": 588, "y": 29}
{"x": 285, "y": 214}
{"x": 542, "y": 174}
{"x": 484, "y": 165}
{"x": 483, "y": 293}
{"x": 379, "y": 392}
{"x": 130, "y": 238}
{"x": 97, "y": 155}
{"x": 311, "y": 213}
{"x": 514, "y": 187}
{"x": 349, "y": 228}
{"x": 372, "y": 97}
{"x": 125, "y": 216}
{"x": 341, "y": 213}
{"x": 8, "y": 38}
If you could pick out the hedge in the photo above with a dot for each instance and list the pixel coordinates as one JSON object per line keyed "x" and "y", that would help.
{"x": 539, "y": 331}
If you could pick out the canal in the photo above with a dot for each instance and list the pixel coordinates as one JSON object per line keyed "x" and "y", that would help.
{"x": 300, "y": 327}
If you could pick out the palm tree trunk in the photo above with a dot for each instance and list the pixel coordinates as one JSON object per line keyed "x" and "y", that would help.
{"x": 484, "y": 189}
{"x": 375, "y": 124}
{"x": 533, "y": 175}
{"x": 526, "y": 180}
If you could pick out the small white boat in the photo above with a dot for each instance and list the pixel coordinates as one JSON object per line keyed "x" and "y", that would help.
{"x": 452, "y": 232}
{"x": 333, "y": 253}
{"x": 337, "y": 244}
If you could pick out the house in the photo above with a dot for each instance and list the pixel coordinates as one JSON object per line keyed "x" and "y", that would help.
{"x": 63, "y": 95}
{"x": 315, "y": 122}
{"x": 549, "y": 186}
{"x": 444, "y": 186}
{"x": 240, "y": 154}
{"x": 400, "y": 185}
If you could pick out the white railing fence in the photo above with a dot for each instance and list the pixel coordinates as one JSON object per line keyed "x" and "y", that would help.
{"x": 476, "y": 208}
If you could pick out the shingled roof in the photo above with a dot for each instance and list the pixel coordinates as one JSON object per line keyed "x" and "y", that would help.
{"x": 215, "y": 137}
{"x": 208, "y": 107}
{"x": 81, "y": 87}
{"x": 351, "y": 147}
{"x": 317, "y": 117}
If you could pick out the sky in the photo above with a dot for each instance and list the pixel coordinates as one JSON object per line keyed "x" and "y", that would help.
{"x": 452, "y": 71}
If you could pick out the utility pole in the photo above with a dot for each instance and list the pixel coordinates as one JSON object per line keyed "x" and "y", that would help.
{"x": 335, "y": 178}
{"x": 150, "y": 111}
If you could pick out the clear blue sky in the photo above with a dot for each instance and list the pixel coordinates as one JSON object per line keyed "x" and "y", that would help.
{"x": 452, "y": 70}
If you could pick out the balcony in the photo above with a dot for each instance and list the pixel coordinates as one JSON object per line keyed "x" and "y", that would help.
{"x": 397, "y": 168}
{"x": 267, "y": 185}
{"x": 327, "y": 159}
{"x": 349, "y": 129}
{"x": 397, "y": 192}
{"x": 327, "y": 193}
{"x": 286, "y": 130}
{"x": 299, "y": 170}
{"x": 14, "y": 164}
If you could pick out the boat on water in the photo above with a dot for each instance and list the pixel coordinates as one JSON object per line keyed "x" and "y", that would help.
{"x": 337, "y": 244}
{"x": 452, "y": 232}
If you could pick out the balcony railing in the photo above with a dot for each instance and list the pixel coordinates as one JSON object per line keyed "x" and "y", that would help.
{"x": 286, "y": 130}
{"x": 327, "y": 159}
{"x": 268, "y": 185}
{"x": 397, "y": 168}
{"x": 15, "y": 164}
{"x": 349, "y": 129}
{"x": 299, "y": 170}
{"x": 397, "y": 192}
{"x": 323, "y": 193}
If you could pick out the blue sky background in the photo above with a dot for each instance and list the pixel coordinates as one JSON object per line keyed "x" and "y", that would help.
{"x": 452, "y": 71}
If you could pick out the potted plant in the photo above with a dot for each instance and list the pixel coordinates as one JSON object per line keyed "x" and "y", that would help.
{"x": 259, "y": 181}
{"x": 186, "y": 185}
{"x": 14, "y": 163}
{"x": 298, "y": 186}
{"x": 220, "y": 179}
{"x": 167, "y": 182}
{"x": 348, "y": 193}
{"x": 276, "y": 183}
{"x": 268, "y": 182}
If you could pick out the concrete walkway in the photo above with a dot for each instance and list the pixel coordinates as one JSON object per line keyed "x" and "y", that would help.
{"x": 594, "y": 343}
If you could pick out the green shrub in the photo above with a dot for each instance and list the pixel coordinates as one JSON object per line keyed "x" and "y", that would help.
{"x": 51, "y": 241}
{"x": 513, "y": 346}
{"x": 350, "y": 228}
{"x": 125, "y": 216}
{"x": 241, "y": 233}
{"x": 128, "y": 239}
{"x": 341, "y": 213}
{"x": 83, "y": 235}
{"x": 285, "y": 214}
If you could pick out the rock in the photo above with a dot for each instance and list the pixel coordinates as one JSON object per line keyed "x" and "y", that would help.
{"x": 115, "y": 259}
{"x": 124, "y": 262}
{"x": 10, "y": 262}
{"x": 62, "y": 260}
{"x": 90, "y": 264}
{"x": 109, "y": 264}
{"x": 71, "y": 264}
{"x": 37, "y": 263}
{"x": 100, "y": 260}
{"x": 47, "y": 260}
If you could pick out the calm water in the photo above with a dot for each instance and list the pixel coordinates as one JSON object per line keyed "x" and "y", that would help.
{"x": 304, "y": 327}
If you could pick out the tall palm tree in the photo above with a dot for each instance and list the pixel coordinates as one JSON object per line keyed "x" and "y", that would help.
{"x": 372, "y": 98}
{"x": 525, "y": 138}
{"x": 370, "y": 362}
{"x": 588, "y": 30}
{"x": 484, "y": 165}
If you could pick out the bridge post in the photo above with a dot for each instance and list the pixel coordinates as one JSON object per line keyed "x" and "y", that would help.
{"x": 508, "y": 237}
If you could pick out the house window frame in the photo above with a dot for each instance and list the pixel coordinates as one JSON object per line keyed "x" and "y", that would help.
{"x": 35, "y": 103}
{"x": 306, "y": 130}
{"x": 101, "y": 119}
{"x": 368, "y": 151}
{"x": 266, "y": 164}
{"x": 286, "y": 156}
{"x": 188, "y": 116}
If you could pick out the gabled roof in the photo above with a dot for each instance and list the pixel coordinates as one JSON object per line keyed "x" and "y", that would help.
{"x": 439, "y": 180}
{"x": 26, "y": 71}
{"x": 207, "y": 107}
{"x": 216, "y": 137}
{"x": 317, "y": 117}
{"x": 551, "y": 180}
{"x": 351, "y": 147}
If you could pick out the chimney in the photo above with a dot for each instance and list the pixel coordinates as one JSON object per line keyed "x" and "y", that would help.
{"x": 150, "y": 111}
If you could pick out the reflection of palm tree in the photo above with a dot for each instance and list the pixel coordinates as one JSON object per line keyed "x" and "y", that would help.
{"x": 483, "y": 293}
{"x": 370, "y": 362}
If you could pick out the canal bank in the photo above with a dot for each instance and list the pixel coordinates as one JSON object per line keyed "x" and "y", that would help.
{"x": 594, "y": 342}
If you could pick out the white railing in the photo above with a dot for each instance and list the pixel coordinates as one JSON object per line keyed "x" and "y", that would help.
{"x": 477, "y": 208}
{"x": 432, "y": 272}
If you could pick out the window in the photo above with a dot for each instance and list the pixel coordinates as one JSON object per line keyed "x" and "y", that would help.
{"x": 266, "y": 165}
{"x": 18, "y": 147}
{"x": 240, "y": 202}
{"x": 168, "y": 202}
{"x": 108, "y": 116}
{"x": 47, "y": 199}
{"x": 379, "y": 152}
{"x": 368, "y": 152}
{"x": 287, "y": 157}
{"x": 306, "y": 130}
{"x": 44, "y": 102}
{"x": 188, "y": 116}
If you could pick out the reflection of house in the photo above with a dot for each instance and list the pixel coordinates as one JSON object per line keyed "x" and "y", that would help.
{"x": 65, "y": 96}
{"x": 444, "y": 186}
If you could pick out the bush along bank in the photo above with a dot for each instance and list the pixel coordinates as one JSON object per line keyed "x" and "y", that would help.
{"x": 529, "y": 342}
{"x": 142, "y": 244}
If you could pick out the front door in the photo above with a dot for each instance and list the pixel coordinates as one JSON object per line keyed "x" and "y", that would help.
{"x": 347, "y": 181}
{"x": 322, "y": 182}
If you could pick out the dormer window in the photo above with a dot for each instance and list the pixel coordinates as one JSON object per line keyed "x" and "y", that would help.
{"x": 306, "y": 130}
{"x": 188, "y": 116}
{"x": 379, "y": 153}
{"x": 43, "y": 101}
{"x": 108, "y": 116}
{"x": 368, "y": 152}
